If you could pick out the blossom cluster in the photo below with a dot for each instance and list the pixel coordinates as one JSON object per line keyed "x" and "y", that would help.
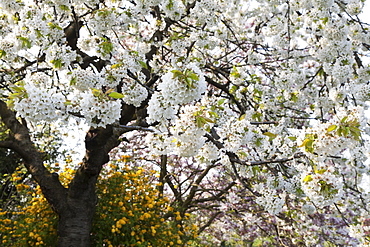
{"x": 40, "y": 104}
{"x": 322, "y": 187}
{"x": 176, "y": 88}
{"x": 99, "y": 111}
{"x": 134, "y": 93}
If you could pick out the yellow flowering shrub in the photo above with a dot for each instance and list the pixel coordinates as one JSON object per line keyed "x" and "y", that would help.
{"x": 130, "y": 212}
{"x": 32, "y": 224}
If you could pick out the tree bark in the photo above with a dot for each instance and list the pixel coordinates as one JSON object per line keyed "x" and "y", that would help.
{"x": 75, "y": 222}
{"x": 75, "y": 218}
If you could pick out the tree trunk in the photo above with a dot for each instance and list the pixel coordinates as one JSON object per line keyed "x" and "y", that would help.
{"x": 76, "y": 215}
{"x": 75, "y": 218}
{"x": 75, "y": 223}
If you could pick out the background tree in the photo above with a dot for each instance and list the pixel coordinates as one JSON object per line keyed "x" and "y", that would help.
{"x": 259, "y": 106}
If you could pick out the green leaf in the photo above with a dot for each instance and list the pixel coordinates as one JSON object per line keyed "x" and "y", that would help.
{"x": 292, "y": 138}
{"x": 213, "y": 114}
{"x": 321, "y": 171}
{"x": 221, "y": 101}
{"x": 294, "y": 97}
{"x": 321, "y": 72}
{"x": 143, "y": 64}
{"x": 345, "y": 131}
{"x": 96, "y": 92}
{"x": 200, "y": 121}
{"x": 235, "y": 73}
{"x": 169, "y": 6}
{"x": 54, "y": 26}
{"x": 2, "y": 53}
{"x": 18, "y": 88}
{"x": 73, "y": 81}
{"x": 117, "y": 65}
{"x": 325, "y": 20}
{"x": 242, "y": 117}
{"x": 259, "y": 141}
{"x": 233, "y": 88}
{"x": 64, "y": 7}
{"x": 256, "y": 170}
{"x": 208, "y": 120}
{"x": 176, "y": 73}
{"x": 271, "y": 135}
{"x": 38, "y": 33}
{"x": 189, "y": 82}
{"x": 354, "y": 129}
{"x": 188, "y": 77}
{"x": 106, "y": 46}
{"x": 193, "y": 76}
{"x": 331, "y": 128}
{"x": 308, "y": 144}
{"x": 116, "y": 95}
{"x": 308, "y": 178}
{"x": 339, "y": 131}
{"x": 25, "y": 42}
{"x": 257, "y": 116}
{"x": 57, "y": 63}
{"x": 345, "y": 62}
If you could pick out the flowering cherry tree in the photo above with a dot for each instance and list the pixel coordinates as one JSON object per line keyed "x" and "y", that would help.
{"x": 260, "y": 105}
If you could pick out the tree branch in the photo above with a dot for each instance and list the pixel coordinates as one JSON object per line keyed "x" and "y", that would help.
{"x": 265, "y": 162}
{"x": 225, "y": 90}
{"x": 8, "y": 144}
{"x": 127, "y": 128}
{"x": 209, "y": 222}
{"x": 218, "y": 196}
{"x": 49, "y": 183}
{"x": 195, "y": 186}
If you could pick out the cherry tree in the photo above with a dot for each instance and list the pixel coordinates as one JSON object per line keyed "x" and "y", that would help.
{"x": 257, "y": 105}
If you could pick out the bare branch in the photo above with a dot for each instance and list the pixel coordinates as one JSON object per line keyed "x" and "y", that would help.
{"x": 265, "y": 162}
{"x": 134, "y": 127}
{"x": 209, "y": 222}
{"x": 195, "y": 186}
{"x": 218, "y": 196}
